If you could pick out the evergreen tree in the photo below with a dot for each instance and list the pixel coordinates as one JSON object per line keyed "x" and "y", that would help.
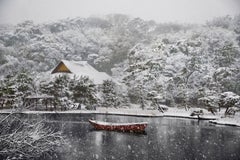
{"x": 59, "y": 88}
{"x": 24, "y": 84}
{"x": 8, "y": 86}
{"x": 109, "y": 94}
{"x": 15, "y": 88}
{"x": 47, "y": 88}
{"x": 8, "y": 91}
{"x": 83, "y": 91}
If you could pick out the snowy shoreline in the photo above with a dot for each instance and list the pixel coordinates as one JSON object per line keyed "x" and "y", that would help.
{"x": 227, "y": 121}
{"x": 172, "y": 112}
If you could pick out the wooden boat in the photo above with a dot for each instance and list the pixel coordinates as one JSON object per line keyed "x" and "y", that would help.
{"x": 123, "y": 127}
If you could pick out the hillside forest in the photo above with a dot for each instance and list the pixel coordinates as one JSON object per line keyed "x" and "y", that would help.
{"x": 177, "y": 63}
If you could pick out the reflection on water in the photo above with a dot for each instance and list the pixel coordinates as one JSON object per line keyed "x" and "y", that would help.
{"x": 165, "y": 138}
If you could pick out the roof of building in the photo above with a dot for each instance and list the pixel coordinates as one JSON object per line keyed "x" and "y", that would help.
{"x": 81, "y": 68}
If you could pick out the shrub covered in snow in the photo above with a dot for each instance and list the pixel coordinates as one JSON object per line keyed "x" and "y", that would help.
{"x": 228, "y": 100}
{"x": 210, "y": 102}
{"x": 25, "y": 140}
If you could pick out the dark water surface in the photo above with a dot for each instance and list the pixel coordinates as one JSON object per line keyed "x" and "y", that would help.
{"x": 165, "y": 138}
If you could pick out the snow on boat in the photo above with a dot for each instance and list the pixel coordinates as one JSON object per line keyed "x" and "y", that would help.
{"x": 123, "y": 127}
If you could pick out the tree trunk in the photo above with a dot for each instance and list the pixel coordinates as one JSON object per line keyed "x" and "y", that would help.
{"x": 226, "y": 112}
{"x": 160, "y": 108}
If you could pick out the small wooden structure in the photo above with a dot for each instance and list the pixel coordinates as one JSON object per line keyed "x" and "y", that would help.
{"x": 39, "y": 102}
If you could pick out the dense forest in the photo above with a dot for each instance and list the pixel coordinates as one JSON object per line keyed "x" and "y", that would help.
{"x": 179, "y": 63}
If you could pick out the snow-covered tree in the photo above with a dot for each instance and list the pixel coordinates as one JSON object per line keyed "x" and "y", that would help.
{"x": 109, "y": 94}
{"x": 8, "y": 85}
{"x": 27, "y": 139}
{"x": 210, "y": 102}
{"x": 181, "y": 62}
{"x": 84, "y": 91}
{"x": 59, "y": 88}
{"x": 14, "y": 87}
{"x": 24, "y": 83}
{"x": 228, "y": 100}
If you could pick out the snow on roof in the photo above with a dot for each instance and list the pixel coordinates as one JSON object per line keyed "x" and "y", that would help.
{"x": 82, "y": 68}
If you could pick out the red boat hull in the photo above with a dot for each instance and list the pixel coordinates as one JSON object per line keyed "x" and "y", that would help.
{"x": 123, "y": 127}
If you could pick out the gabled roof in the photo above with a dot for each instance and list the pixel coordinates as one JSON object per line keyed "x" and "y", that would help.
{"x": 81, "y": 68}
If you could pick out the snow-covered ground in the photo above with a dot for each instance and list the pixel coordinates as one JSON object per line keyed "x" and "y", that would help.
{"x": 227, "y": 121}
{"x": 137, "y": 111}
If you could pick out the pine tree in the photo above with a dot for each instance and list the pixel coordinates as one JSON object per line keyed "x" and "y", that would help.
{"x": 83, "y": 91}
{"x": 8, "y": 91}
{"x": 8, "y": 86}
{"x": 109, "y": 94}
{"x": 24, "y": 84}
{"x": 16, "y": 87}
{"x": 59, "y": 88}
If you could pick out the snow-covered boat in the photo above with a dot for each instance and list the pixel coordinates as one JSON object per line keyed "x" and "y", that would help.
{"x": 123, "y": 127}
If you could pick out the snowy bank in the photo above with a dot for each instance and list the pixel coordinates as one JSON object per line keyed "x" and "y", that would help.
{"x": 182, "y": 113}
{"x": 136, "y": 111}
{"x": 227, "y": 121}
{"x": 132, "y": 111}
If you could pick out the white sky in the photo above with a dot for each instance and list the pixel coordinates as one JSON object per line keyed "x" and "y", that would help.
{"x": 183, "y": 11}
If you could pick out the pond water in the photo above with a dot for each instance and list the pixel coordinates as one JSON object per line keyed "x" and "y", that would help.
{"x": 165, "y": 138}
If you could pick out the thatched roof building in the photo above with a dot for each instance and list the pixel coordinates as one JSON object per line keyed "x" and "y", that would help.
{"x": 80, "y": 68}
